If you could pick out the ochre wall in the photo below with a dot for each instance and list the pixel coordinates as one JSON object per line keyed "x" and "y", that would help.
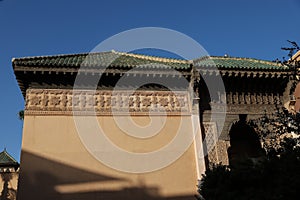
{"x": 56, "y": 165}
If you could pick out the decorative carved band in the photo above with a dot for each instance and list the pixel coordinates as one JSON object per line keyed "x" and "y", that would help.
{"x": 58, "y": 102}
{"x": 253, "y": 98}
{"x": 255, "y": 109}
{"x": 241, "y": 98}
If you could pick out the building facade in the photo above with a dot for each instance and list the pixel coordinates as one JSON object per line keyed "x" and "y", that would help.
{"x": 197, "y": 117}
{"x": 295, "y": 60}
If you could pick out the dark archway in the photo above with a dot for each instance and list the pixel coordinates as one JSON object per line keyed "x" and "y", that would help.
{"x": 244, "y": 143}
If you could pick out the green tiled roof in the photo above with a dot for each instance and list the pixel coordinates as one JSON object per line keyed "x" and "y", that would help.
{"x": 7, "y": 160}
{"x": 115, "y": 59}
{"x": 239, "y": 63}
{"x": 102, "y": 59}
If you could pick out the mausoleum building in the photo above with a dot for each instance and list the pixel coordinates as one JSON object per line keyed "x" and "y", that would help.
{"x": 197, "y": 116}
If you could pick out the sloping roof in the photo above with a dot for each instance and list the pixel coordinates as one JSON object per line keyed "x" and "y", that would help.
{"x": 7, "y": 160}
{"x": 129, "y": 60}
{"x": 102, "y": 59}
{"x": 239, "y": 63}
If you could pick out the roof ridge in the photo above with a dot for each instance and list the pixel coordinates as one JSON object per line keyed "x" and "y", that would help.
{"x": 154, "y": 58}
{"x": 141, "y": 56}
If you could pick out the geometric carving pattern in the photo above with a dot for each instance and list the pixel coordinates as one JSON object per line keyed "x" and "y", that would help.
{"x": 217, "y": 149}
{"x": 211, "y": 139}
{"x": 106, "y": 102}
{"x": 222, "y": 146}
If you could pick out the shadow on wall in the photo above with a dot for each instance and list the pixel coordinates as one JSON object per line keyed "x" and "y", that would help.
{"x": 244, "y": 143}
{"x": 42, "y": 177}
{"x": 7, "y": 193}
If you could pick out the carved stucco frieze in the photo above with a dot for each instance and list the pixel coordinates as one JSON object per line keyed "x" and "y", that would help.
{"x": 253, "y": 98}
{"x": 104, "y": 102}
{"x": 256, "y": 109}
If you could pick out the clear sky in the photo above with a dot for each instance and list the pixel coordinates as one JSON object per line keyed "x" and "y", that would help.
{"x": 241, "y": 28}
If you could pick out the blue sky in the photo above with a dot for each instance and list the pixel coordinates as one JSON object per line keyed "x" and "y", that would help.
{"x": 256, "y": 29}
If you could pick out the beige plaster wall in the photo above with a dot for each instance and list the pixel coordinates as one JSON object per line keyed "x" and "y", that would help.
{"x": 56, "y": 164}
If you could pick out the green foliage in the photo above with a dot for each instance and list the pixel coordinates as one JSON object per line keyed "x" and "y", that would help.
{"x": 275, "y": 131}
{"x": 21, "y": 115}
{"x": 277, "y": 177}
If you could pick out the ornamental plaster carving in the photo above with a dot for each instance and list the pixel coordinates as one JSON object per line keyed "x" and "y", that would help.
{"x": 100, "y": 102}
{"x": 217, "y": 149}
{"x": 253, "y": 98}
{"x": 255, "y": 109}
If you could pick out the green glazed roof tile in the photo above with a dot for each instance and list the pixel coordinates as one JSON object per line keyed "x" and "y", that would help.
{"x": 6, "y": 159}
{"x": 115, "y": 59}
{"x": 103, "y": 59}
{"x": 238, "y": 63}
